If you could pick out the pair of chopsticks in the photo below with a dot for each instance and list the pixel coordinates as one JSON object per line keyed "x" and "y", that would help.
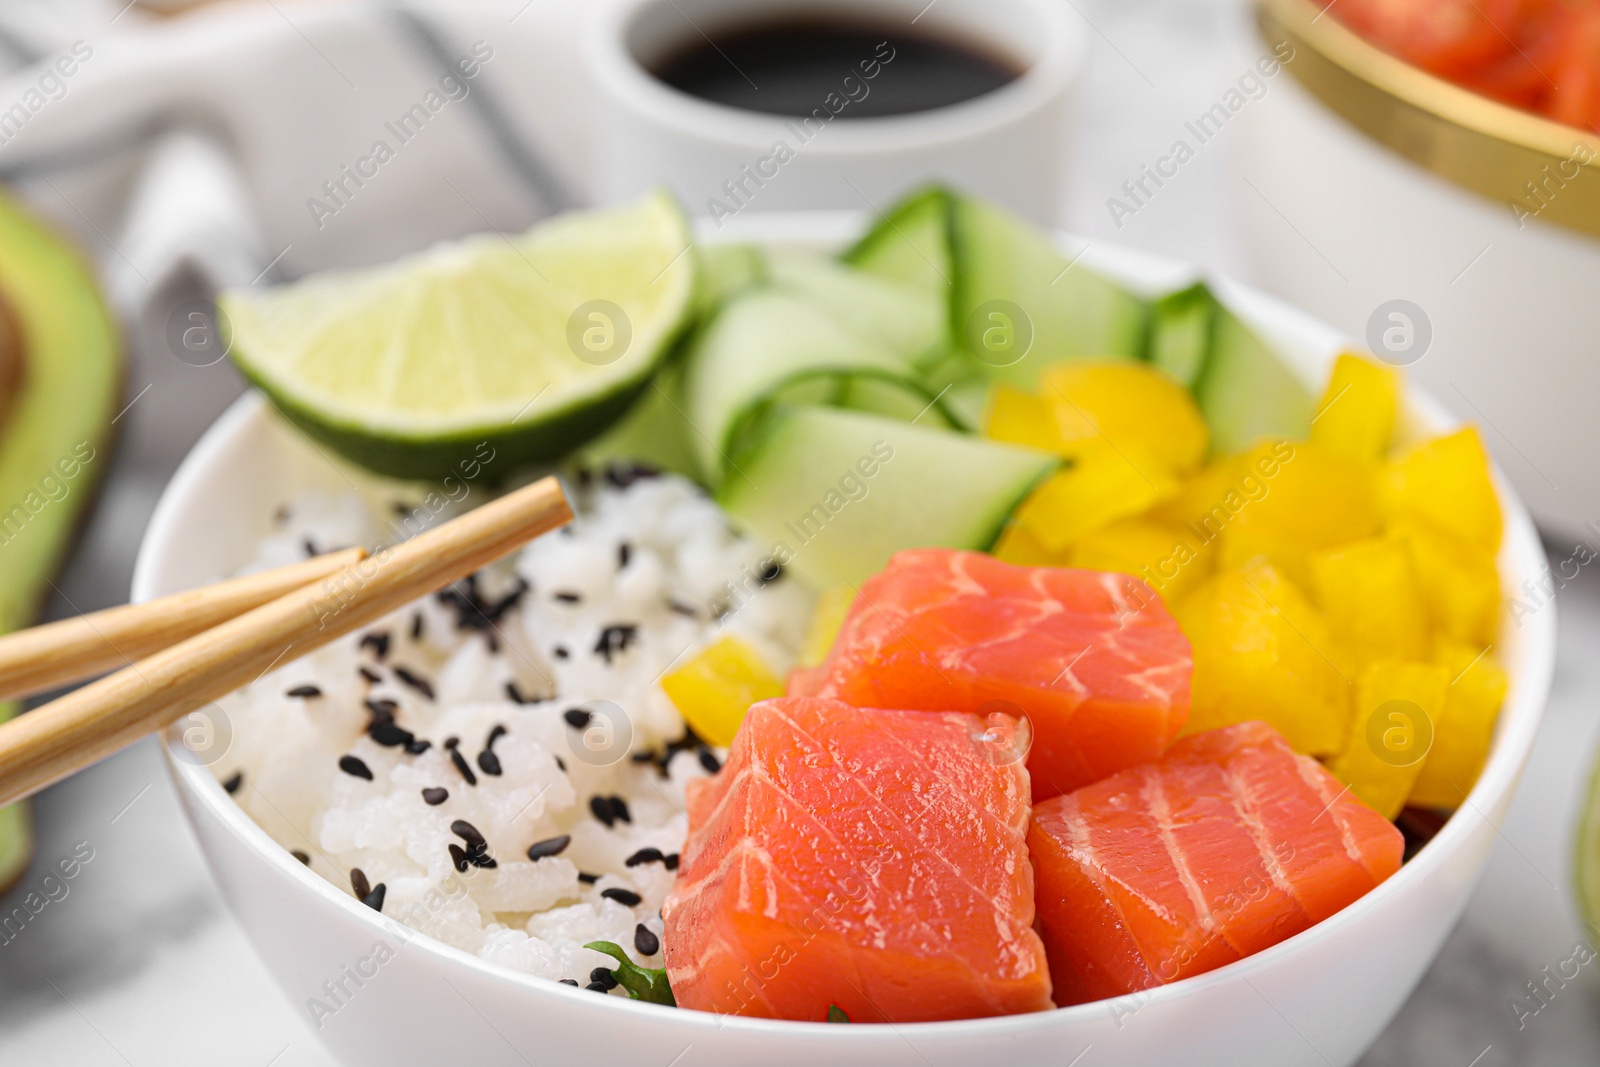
{"x": 186, "y": 650}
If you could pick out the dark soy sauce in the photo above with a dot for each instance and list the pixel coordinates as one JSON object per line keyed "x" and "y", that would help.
{"x": 790, "y": 67}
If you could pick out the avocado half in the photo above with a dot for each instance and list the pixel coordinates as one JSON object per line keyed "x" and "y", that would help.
{"x": 60, "y": 380}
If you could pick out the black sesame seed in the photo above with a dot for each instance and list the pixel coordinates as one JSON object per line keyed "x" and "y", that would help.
{"x": 458, "y": 856}
{"x": 309, "y": 546}
{"x": 645, "y": 940}
{"x": 417, "y": 748}
{"x": 415, "y": 681}
{"x": 452, "y": 741}
{"x": 370, "y": 675}
{"x": 489, "y": 763}
{"x": 645, "y": 855}
{"x": 468, "y": 833}
{"x": 622, "y": 475}
{"x": 624, "y": 554}
{"x": 232, "y": 784}
{"x": 602, "y": 976}
{"x": 495, "y": 733}
{"x": 304, "y": 691}
{"x": 769, "y": 571}
{"x": 709, "y": 760}
{"x": 552, "y": 846}
{"x": 568, "y": 598}
{"x": 577, "y": 718}
{"x": 461, "y": 765}
{"x": 303, "y": 857}
{"x": 670, "y": 861}
{"x": 680, "y": 608}
{"x": 378, "y": 641}
{"x": 615, "y": 639}
{"x": 596, "y": 987}
{"x": 382, "y": 710}
{"x": 416, "y": 626}
{"x": 354, "y": 765}
{"x": 569, "y": 981}
{"x": 374, "y": 899}
{"x": 358, "y": 882}
{"x": 516, "y": 694}
{"x": 559, "y": 761}
{"x": 389, "y": 735}
{"x": 626, "y": 897}
{"x": 560, "y": 651}
{"x": 584, "y": 876}
{"x": 619, "y": 808}
{"x": 601, "y": 808}
{"x": 434, "y": 796}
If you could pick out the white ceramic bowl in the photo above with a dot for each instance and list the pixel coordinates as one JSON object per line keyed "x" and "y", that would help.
{"x": 1317, "y": 999}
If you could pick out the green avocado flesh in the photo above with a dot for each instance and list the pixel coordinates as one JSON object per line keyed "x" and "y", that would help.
{"x": 55, "y": 438}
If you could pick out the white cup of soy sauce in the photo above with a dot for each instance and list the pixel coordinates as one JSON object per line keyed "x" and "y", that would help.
{"x": 763, "y": 105}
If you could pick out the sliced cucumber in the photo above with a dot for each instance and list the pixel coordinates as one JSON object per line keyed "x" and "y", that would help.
{"x": 838, "y": 492}
{"x": 911, "y": 243}
{"x": 655, "y": 430}
{"x": 724, "y": 272}
{"x": 760, "y": 343}
{"x": 898, "y": 315}
{"x": 1181, "y": 326}
{"x": 1246, "y": 392}
{"x": 1020, "y": 306}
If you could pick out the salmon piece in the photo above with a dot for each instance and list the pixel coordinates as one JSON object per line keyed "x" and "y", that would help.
{"x": 1226, "y": 846}
{"x": 1093, "y": 659}
{"x": 874, "y": 860}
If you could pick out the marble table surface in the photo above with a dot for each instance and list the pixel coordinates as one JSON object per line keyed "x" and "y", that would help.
{"x": 141, "y": 963}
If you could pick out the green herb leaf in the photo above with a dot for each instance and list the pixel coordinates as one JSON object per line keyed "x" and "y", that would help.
{"x": 642, "y": 983}
{"x": 836, "y": 1014}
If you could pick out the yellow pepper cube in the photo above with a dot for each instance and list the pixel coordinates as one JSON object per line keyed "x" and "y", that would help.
{"x": 1135, "y": 407}
{"x": 1445, "y": 482}
{"x": 1102, "y": 486}
{"x": 1308, "y": 496}
{"x": 1202, "y": 493}
{"x": 1239, "y": 545}
{"x": 1355, "y": 417}
{"x": 1164, "y": 557}
{"x": 1461, "y": 739}
{"x": 827, "y": 618}
{"x": 1021, "y": 418}
{"x": 1459, "y": 582}
{"x": 1017, "y": 545}
{"x": 1400, "y": 708}
{"x": 1368, "y": 592}
{"x": 715, "y": 689}
{"x": 1261, "y": 651}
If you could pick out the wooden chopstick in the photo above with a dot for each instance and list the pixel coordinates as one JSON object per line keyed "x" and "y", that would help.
{"x": 59, "y": 653}
{"x": 74, "y": 731}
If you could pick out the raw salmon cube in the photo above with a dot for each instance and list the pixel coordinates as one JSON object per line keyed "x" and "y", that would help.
{"x": 872, "y": 860}
{"x": 1227, "y": 845}
{"x": 1094, "y": 660}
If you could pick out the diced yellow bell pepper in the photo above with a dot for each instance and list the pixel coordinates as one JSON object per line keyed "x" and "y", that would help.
{"x": 1307, "y": 496}
{"x": 715, "y": 689}
{"x": 1461, "y": 739}
{"x": 1021, "y": 418}
{"x": 1399, "y": 710}
{"x": 1261, "y": 651}
{"x": 1164, "y": 557}
{"x": 1239, "y": 545}
{"x": 827, "y": 618}
{"x": 1134, "y": 406}
{"x": 1201, "y": 494}
{"x": 1017, "y": 545}
{"x": 1368, "y": 592}
{"x": 1102, "y": 485}
{"x": 1459, "y": 582}
{"x": 1355, "y": 417}
{"x": 1446, "y": 482}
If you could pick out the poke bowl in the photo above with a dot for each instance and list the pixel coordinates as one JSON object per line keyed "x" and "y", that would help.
{"x": 377, "y": 990}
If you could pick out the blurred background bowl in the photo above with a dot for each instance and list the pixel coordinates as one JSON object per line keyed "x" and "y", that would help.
{"x": 1459, "y": 236}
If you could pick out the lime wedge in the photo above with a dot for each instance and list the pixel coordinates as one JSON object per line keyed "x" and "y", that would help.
{"x": 1588, "y": 858}
{"x": 532, "y": 344}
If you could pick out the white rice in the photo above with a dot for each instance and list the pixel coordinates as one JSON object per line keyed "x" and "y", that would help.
{"x": 688, "y": 579}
